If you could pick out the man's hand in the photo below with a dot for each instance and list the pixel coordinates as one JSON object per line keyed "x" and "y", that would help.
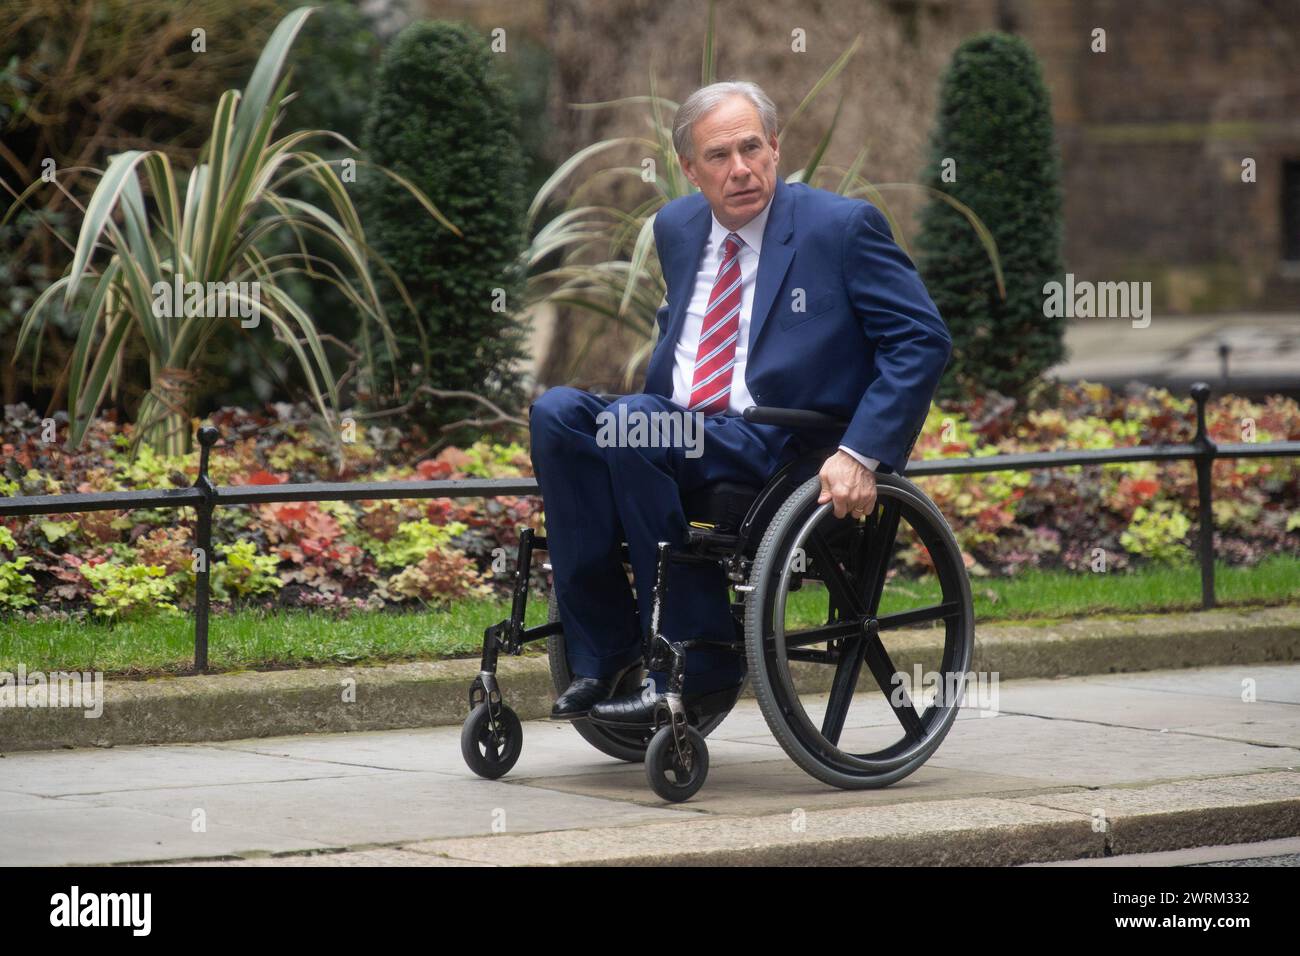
{"x": 849, "y": 484}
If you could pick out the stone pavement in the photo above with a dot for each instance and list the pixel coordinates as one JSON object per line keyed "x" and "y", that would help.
{"x": 1174, "y": 351}
{"x": 1068, "y": 768}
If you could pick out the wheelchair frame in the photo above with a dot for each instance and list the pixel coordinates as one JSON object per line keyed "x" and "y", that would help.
{"x": 673, "y": 747}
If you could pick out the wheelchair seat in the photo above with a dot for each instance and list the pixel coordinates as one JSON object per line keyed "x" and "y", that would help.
{"x": 722, "y": 504}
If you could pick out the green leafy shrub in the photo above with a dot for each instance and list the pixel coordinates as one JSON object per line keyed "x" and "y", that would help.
{"x": 491, "y": 460}
{"x": 152, "y": 469}
{"x": 243, "y": 572}
{"x": 128, "y": 590}
{"x": 445, "y": 118}
{"x": 413, "y": 540}
{"x": 995, "y": 124}
{"x": 1159, "y": 533}
{"x": 16, "y": 588}
{"x": 55, "y": 531}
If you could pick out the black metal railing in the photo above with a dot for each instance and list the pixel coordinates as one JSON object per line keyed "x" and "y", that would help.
{"x": 205, "y": 497}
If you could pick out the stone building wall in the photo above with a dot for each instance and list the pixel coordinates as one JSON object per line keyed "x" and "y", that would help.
{"x": 1152, "y": 132}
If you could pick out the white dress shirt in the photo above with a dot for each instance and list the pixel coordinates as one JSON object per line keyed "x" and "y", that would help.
{"x": 751, "y": 237}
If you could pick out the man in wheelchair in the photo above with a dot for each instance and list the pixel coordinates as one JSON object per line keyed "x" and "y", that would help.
{"x": 779, "y": 295}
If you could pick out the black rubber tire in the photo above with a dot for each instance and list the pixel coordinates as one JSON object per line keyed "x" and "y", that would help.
{"x": 627, "y": 745}
{"x": 772, "y": 689}
{"x": 662, "y": 771}
{"x": 485, "y": 757}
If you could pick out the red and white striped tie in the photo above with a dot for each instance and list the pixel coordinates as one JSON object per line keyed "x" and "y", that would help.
{"x": 711, "y": 385}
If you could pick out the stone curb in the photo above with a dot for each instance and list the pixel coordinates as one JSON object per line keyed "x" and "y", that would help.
{"x": 977, "y": 831}
{"x": 250, "y": 704}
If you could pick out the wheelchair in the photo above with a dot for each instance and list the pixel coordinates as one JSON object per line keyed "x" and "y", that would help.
{"x": 808, "y": 614}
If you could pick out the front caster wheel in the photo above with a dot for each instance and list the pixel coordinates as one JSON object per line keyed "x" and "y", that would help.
{"x": 491, "y": 752}
{"x": 676, "y": 776}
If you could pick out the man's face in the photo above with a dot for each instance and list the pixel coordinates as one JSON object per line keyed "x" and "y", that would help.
{"x": 734, "y": 166}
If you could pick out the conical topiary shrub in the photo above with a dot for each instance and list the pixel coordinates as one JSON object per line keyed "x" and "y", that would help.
{"x": 443, "y": 116}
{"x": 993, "y": 149}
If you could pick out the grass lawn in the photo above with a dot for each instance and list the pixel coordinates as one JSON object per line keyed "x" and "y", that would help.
{"x": 254, "y": 639}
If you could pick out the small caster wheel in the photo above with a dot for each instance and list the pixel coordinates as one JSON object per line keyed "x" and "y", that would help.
{"x": 491, "y": 754}
{"x": 676, "y": 776}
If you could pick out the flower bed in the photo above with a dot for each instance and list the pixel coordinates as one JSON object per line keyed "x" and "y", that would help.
{"x": 400, "y": 553}
{"x": 1110, "y": 517}
{"x": 368, "y": 554}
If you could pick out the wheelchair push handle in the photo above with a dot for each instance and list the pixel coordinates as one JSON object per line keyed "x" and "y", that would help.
{"x": 770, "y": 415}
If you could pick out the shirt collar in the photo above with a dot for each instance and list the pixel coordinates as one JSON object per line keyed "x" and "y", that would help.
{"x": 751, "y": 232}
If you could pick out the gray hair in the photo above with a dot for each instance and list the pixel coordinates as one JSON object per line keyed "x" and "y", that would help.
{"x": 704, "y": 100}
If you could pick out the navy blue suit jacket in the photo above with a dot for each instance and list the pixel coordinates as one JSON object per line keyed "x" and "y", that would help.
{"x": 869, "y": 345}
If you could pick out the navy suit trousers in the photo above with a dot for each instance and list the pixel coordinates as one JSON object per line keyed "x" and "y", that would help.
{"x": 597, "y": 497}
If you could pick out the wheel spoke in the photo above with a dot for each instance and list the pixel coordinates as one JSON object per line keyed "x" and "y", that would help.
{"x": 833, "y": 575}
{"x": 859, "y": 561}
{"x": 846, "y": 679}
{"x": 880, "y": 549}
{"x": 823, "y": 632}
{"x": 919, "y": 616}
{"x": 883, "y": 670}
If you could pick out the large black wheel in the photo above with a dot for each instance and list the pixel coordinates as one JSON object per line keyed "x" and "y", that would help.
{"x": 629, "y": 745}
{"x": 825, "y": 603}
{"x": 491, "y": 748}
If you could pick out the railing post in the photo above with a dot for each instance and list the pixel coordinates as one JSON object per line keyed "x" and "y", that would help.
{"x": 203, "y": 542}
{"x": 1205, "y": 493}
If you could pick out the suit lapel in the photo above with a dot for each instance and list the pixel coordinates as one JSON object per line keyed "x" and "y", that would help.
{"x": 774, "y": 261}
{"x": 685, "y": 265}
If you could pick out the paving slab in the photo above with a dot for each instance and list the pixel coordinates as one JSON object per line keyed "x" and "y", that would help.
{"x": 1261, "y": 723}
{"x": 778, "y": 786}
{"x": 92, "y": 770}
{"x": 77, "y": 834}
{"x": 1272, "y": 683}
{"x": 549, "y": 750}
{"x": 1072, "y": 753}
{"x": 389, "y": 807}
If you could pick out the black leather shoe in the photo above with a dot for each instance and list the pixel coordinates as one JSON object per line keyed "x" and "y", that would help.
{"x": 638, "y": 710}
{"x": 580, "y": 695}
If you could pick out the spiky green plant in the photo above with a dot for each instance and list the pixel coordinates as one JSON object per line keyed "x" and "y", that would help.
{"x": 626, "y": 286}
{"x": 231, "y": 208}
